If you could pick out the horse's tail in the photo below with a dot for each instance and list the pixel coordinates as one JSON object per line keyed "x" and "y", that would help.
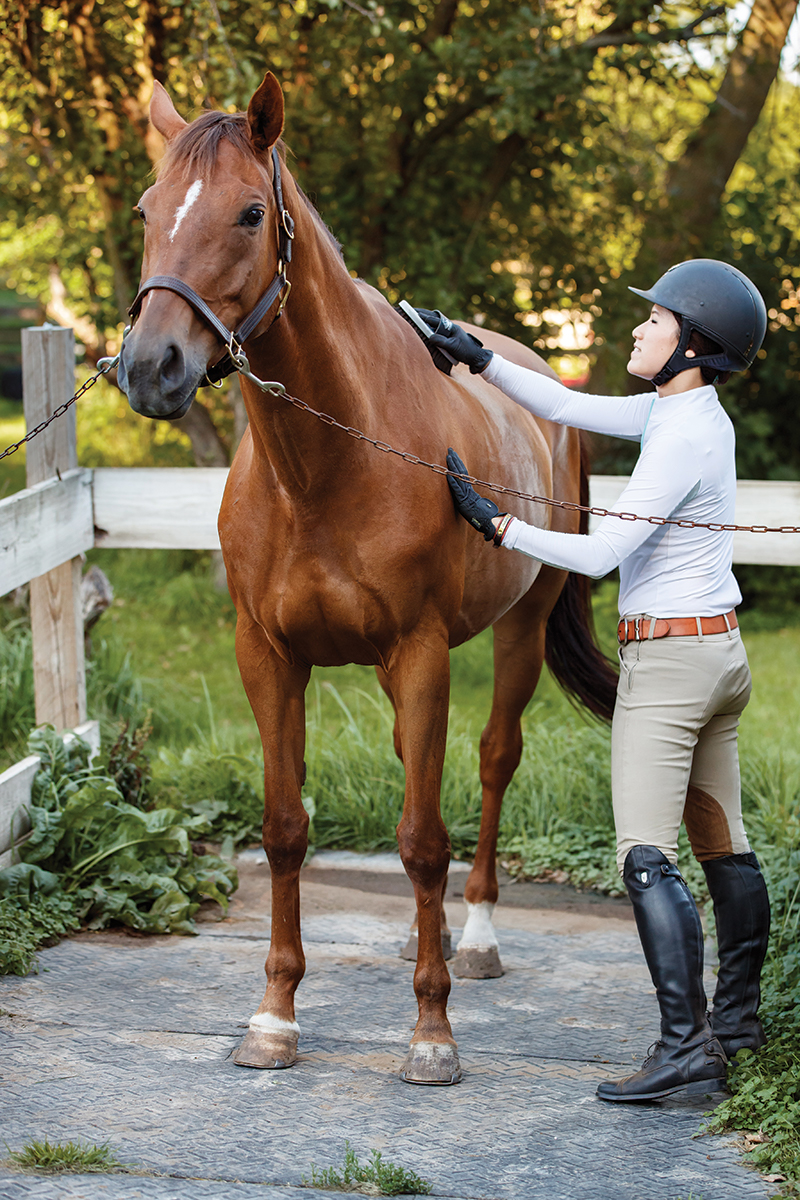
{"x": 571, "y": 650}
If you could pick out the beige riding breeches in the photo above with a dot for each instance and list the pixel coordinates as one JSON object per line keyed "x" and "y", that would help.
{"x": 674, "y": 745}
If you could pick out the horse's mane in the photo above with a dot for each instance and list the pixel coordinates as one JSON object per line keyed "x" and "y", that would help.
{"x": 196, "y": 148}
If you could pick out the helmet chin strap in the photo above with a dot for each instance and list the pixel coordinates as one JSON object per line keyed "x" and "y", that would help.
{"x": 678, "y": 360}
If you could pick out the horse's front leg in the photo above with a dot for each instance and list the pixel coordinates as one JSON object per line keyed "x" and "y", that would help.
{"x": 276, "y": 694}
{"x": 419, "y": 677}
{"x": 411, "y": 947}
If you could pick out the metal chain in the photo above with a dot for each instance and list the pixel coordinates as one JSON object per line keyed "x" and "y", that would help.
{"x": 278, "y": 390}
{"x": 108, "y": 364}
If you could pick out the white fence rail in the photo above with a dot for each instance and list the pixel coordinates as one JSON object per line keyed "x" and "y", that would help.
{"x": 67, "y": 510}
{"x": 176, "y": 508}
{"x": 758, "y": 502}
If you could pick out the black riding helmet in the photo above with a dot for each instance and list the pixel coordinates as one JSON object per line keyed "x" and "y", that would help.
{"x": 719, "y": 301}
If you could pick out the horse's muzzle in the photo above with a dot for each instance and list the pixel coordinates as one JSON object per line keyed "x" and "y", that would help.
{"x": 160, "y": 379}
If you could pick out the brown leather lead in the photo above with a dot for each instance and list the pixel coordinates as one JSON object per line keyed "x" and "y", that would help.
{"x": 637, "y": 629}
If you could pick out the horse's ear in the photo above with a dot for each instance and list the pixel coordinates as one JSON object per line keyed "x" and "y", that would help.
{"x": 163, "y": 114}
{"x": 265, "y": 114}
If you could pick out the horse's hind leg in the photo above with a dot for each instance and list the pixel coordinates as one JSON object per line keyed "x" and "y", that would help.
{"x": 411, "y": 947}
{"x": 519, "y": 640}
{"x": 276, "y": 694}
{"x": 419, "y": 679}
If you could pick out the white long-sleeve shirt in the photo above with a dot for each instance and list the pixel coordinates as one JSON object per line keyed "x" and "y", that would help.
{"x": 686, "y": 469}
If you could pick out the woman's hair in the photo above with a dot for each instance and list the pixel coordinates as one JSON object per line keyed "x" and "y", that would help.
{"x": 701, "y": 343}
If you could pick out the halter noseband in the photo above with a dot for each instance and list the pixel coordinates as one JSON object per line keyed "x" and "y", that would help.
{"x": 234, "y": 340}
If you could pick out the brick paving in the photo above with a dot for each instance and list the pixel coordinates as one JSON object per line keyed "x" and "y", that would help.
{"x": 129, "y": 1041}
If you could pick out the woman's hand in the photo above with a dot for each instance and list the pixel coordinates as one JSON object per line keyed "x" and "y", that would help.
{"x": 462, "y": 346}
{"x": 481, "y": 513}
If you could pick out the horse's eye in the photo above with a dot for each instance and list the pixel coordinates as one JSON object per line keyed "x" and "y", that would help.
{"x": 253, "y": 217}
{"x": 141, "y": 213}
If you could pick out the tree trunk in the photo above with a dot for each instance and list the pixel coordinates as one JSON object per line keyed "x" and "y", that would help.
{"x": 696, "y": 182}
{"x": 208, "y": 447}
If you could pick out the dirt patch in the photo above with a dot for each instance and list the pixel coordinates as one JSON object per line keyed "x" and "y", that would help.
{"x": 389, "y": 896}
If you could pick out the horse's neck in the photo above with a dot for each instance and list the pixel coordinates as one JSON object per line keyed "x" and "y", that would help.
{"x": 317, "y": 350}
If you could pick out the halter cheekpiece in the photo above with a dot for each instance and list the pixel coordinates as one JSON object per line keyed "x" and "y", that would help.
{"x": 280, "y": 286}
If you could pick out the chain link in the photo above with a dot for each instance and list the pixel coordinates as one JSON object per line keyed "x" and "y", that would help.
{"x": 279, "y": 391}
{"x": 108, "y": 364}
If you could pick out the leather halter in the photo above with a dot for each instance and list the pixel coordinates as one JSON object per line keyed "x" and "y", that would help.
{"x": 234, "y": 339}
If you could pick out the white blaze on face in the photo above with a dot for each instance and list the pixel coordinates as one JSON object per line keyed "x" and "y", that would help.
{"x": 192, "y": 194}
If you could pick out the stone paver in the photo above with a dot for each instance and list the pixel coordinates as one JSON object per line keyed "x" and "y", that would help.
{"x": 130, "y": 1040}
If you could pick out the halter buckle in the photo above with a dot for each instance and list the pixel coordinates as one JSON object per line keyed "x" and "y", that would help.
{"x": 288, "y": 224}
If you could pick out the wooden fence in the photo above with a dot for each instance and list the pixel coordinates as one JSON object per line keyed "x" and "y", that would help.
{"x": 66, "y": 510}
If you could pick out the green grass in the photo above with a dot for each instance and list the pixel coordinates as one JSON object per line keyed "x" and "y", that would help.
{"x": 375, "y": 1178}
{"x": 12, "y": 428}
{"x": 54, "y": 1157}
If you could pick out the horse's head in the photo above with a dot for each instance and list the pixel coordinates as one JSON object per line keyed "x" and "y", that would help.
{"x": 210, "y": 224}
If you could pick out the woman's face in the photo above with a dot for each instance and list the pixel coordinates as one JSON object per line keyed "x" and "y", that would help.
{"x": 653, "y": 343}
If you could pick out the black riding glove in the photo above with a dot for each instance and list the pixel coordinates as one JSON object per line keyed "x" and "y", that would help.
{"x": 456, "y": 341}
{"x": 473, "y": 508}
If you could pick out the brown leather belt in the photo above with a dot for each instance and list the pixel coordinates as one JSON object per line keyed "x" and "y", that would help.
{"x": 637, "y": 629}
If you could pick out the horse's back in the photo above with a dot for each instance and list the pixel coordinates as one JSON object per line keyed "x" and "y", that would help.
{"x": 514, "y": 351}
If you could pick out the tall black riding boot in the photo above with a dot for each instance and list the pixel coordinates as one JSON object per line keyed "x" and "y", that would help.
{"x": 687, "y": 1058}
{"x": 741, "y": 911}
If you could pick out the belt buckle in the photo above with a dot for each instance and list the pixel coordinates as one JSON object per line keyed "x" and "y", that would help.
{"x": 637, "y": 628}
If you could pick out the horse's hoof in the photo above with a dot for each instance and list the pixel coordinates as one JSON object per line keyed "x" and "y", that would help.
{"x": 267, "y": 1051}
{"x": 411, "y": 947}
{"x": 433, "y": 1063}
{"x": 474, "y": 962}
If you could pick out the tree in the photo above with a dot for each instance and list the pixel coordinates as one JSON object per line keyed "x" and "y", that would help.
{"x": 723, "y": 185}
{"x": 485, "y": 157}
{"x": 696, "y": 181}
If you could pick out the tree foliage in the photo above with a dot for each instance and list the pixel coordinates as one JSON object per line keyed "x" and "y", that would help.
{"x": 497, "y": 159}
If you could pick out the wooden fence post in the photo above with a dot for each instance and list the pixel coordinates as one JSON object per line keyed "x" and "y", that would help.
{"x": 59, "y": 670}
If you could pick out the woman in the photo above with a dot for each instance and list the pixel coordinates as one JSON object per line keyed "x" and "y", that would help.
{"x": 684, "y": 679}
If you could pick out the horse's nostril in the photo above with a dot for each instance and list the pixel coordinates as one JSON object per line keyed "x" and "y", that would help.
{"x": 173, "y": 367}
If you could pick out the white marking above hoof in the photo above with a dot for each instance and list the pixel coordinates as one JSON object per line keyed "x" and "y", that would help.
{"x": 479, "y": 932}
{"x": 267, "y": 1023}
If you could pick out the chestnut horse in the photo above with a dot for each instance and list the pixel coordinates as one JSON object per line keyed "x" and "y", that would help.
{"x": 336, "y": 553}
